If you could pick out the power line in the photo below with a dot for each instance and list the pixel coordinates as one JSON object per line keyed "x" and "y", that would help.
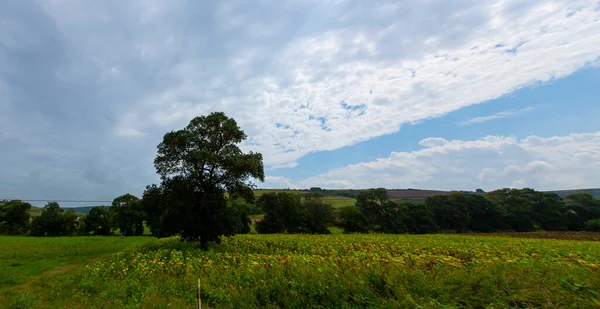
{"x": 58, "y": 201}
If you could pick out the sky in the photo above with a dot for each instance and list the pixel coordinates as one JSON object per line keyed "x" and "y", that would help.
{"x": 336, "y": 94}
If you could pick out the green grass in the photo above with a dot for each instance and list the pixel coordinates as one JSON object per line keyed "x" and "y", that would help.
{"x": 339, "y": 201}
{"x": 335, "y": 201}
{"x": 35, "y": 211}
{"x": 259, "y": 192}
{"x": 330, "y": 271}
{"x": 23, "y": 259}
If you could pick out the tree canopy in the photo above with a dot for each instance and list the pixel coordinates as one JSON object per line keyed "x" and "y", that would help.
{"x": 201, "y": 166}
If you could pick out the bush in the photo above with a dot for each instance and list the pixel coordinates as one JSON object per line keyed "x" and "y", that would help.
{"x": 593, "y": 225}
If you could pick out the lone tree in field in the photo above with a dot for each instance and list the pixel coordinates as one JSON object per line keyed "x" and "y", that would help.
{"x": 200, "y": 167}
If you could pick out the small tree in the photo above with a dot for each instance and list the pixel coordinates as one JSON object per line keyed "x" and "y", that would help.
{"x": 273, "y": 221}
{"x": 14, "y": 217}
{"x": 238, "y": 215}
{"x": 73, "y": 224}
{"x": 320, "y": 216}
{"x": 128, "y": 215}
{"x": 98, "y": 222}
{"x": 50, "y": 223}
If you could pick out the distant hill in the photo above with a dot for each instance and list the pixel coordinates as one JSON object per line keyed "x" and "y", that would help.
{"x": 35, "y": 211}
{"x": 81, "y": 210}
{"x": 564, "y": 193}
{"x": 414, "y": 194}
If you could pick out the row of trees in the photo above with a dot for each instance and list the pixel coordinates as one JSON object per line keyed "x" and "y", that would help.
{"x": 286, "y": 212}
{"x": 206, "y": 191}
{"x": 15, "y": 219}
{"x": 520, "y": 210}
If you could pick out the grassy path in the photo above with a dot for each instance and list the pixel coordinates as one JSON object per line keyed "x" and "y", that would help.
{"x": 26, "y": 261}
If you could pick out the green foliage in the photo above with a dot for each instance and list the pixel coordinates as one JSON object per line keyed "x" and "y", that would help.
{"x": 14, "y": 217}
{"x": 238, "y": 213}
{"x": 98, "y": 221}
{"x": 593, "y": 225}
{"x": 273, "y": 206}
{"x": 320, "y": 215}
{"x": 286, "y": 212}
{"x": 199, "y": 165}
{"x": 529, "y": 210}
{"x": 583, "y": 207}
{"x": 73, "y": 224}
{"x": 450, "y": 212}
{"x": 418, "y": 218}
{"x": 128, "y": 215}
{"x": 54, "y": 222}
{"x": 353, "y": 220}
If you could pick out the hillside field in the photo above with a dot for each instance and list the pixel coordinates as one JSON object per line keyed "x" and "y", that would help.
{"x": 301, "y": 271}
{"x": 564, "y": 193}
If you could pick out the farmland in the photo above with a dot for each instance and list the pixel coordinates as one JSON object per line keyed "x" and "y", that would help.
{"x": 303, "y": 271}
{"x": 329, "y": 196}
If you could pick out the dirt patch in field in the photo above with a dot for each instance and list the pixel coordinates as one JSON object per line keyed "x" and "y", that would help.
{"x": 58, "y": 270}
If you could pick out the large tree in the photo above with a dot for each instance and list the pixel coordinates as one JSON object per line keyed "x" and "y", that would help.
{"x": 200, "y": 167}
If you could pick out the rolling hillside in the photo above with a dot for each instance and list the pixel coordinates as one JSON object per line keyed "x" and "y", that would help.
{"x": 564, "y": 193}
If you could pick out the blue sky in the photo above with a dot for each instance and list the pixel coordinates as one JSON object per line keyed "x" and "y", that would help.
{"x": 337, "y": 94}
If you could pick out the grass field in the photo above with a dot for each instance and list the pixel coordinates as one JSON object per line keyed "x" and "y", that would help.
{"x": 335, "y": 201}
{"x": 25, "y": 259}
{"x": 303, "y": 271}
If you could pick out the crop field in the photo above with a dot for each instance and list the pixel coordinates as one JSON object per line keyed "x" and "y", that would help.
{"x": 304, "y": 271}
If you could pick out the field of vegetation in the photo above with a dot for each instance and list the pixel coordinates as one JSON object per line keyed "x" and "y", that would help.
{"x": 301, "y": 271}
{"x": 25, "y": 260}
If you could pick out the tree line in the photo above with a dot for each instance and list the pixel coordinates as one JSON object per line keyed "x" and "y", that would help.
{"x": 518, "y": 210}
{"x": 206, "y": 191}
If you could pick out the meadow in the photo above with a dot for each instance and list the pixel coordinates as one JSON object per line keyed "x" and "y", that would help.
{"x": 304, "y": 271}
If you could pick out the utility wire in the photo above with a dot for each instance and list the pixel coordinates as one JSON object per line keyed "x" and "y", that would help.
{"x": 58, "y": 201}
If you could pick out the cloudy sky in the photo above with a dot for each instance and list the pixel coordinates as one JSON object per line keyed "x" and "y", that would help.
{"x": 337, "y": 94}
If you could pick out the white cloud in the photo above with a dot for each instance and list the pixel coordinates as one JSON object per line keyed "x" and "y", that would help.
{"x": 128, "y": 132}
{"x": 493, "y": 162}
{"x": 298, "y": 76}
{"x": 341, "y": 77}
{"x": 277, "y": 182}
{"x": 499, "y": 115}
